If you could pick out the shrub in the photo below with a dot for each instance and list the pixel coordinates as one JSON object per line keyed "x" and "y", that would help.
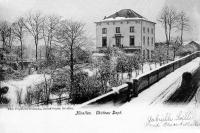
{"x": 29, "y": 96}
{"x": 86, "y": 88}
{"x": 3, "y": 100}
{"x": 19, "y": 96}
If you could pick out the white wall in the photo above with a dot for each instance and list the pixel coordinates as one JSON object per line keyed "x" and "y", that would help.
{"x": 125, "y": 31}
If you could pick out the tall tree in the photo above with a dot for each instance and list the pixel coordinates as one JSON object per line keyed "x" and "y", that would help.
{"x": 50, "y": 26}
{"x": 71, "y": 35}
{"x": 176, "y": 44}
{"x": 183, "y": 24}
{"x": 168, "y": 19}
{"x": 5, "y": 34}
{"x": 19, "y": 31}
{"x": 34, "y": 23}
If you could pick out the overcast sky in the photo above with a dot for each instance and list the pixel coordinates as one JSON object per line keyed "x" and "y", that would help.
{"x": 90, "y": 11}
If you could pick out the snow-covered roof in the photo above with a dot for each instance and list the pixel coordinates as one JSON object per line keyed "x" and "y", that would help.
{"x": 124, "y": 14}
{"x": 187, "y": 42}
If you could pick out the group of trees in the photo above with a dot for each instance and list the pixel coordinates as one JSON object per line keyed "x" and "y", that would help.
{"x": 66, "y": 36}
{"x": 49, "y": 30}
{"x": 174, "y": 21}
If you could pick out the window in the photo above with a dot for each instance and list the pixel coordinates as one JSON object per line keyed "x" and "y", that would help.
{"x": 148, "y": 30}
{"x": 132, "y": 29}
{"x": 147, "y": 54}
{"x": 144, "y": 54}
{"x": 152, "y": 53}
{"x": 104, "y": 30}
{"x": 132, "y": 40}
{"x": 152, "y": 40}
{"x": 117, "y": 29}
{"x": 143, "y": 29}
{"x": 143, "y": 40}
{"x": 152, "y": 31}
{"x": 148, "y": 40}
{"x": 104, "y": 41}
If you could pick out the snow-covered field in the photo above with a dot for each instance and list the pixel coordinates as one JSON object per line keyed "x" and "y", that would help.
{"x": 161, "y": 90}
{"x": 23, "y": 85}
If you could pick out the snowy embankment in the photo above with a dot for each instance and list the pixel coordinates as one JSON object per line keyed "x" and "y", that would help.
{"x": 195, "y": 102}
{"x": 160, "y": 91}
{"x": 22, "y": 85}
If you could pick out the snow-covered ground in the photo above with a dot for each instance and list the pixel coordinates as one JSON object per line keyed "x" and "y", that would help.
{"x": 195, "y": 102}
{"x": 17, "y": 85}
{"x": 161, "y": 90}
{"x": 146, "y": 68}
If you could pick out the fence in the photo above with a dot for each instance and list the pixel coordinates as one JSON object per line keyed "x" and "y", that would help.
{"x": 127, "y": 91}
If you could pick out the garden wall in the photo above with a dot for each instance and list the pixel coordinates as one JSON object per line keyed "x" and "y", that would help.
{"x": 126, "y": 91}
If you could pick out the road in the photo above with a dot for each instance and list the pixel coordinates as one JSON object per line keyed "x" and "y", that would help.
{"x": 183, "y": 95}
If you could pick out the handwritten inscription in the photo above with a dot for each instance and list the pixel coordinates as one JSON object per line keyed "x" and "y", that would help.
{"x": 170, "y": 120}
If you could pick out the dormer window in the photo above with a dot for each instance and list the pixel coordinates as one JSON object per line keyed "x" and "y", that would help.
{"x": 117, "y": 29}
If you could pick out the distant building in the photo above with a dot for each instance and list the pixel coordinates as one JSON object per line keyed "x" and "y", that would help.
{"x": 192, "y": 46}
{"x": 189, "y": 48}
{"x": 128, "y": 30}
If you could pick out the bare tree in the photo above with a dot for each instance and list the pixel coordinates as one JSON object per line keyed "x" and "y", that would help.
{"x": 34, "y": 24}
{"x": 159, "y": 54}
{"x": 71, "y": 35}
{"x": 50, "y": 26}
{"x": 175, "y": 45}
{"x": 183, "y": 24}
{"x": 168, "y": 19}
{"x": 18, "y": 29}
{"x": 5, "y": 34}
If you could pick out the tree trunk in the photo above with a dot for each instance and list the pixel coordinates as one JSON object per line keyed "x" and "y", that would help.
{"x": 174, "y": 54}
{"x": 167, "y": 40}
{"x": 71, "y": 67}
{"x": 182, "y": 34}
{"x": 36, "y": 47}
{"x": 21, "y": 53}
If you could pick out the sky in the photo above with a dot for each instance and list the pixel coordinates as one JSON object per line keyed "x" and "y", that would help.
{"x": 90, "y": 11}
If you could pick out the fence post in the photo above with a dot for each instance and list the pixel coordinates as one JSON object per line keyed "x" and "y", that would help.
{"x": 135, "y": 87}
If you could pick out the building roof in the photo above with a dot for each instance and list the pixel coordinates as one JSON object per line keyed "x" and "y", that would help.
{"x": 189, "y": 47}
{"x": 125, "y": 14}
{"x": 193, "y": 44}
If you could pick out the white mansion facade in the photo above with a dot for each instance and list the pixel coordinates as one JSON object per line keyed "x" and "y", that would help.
{"x": 128, "y": 30}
